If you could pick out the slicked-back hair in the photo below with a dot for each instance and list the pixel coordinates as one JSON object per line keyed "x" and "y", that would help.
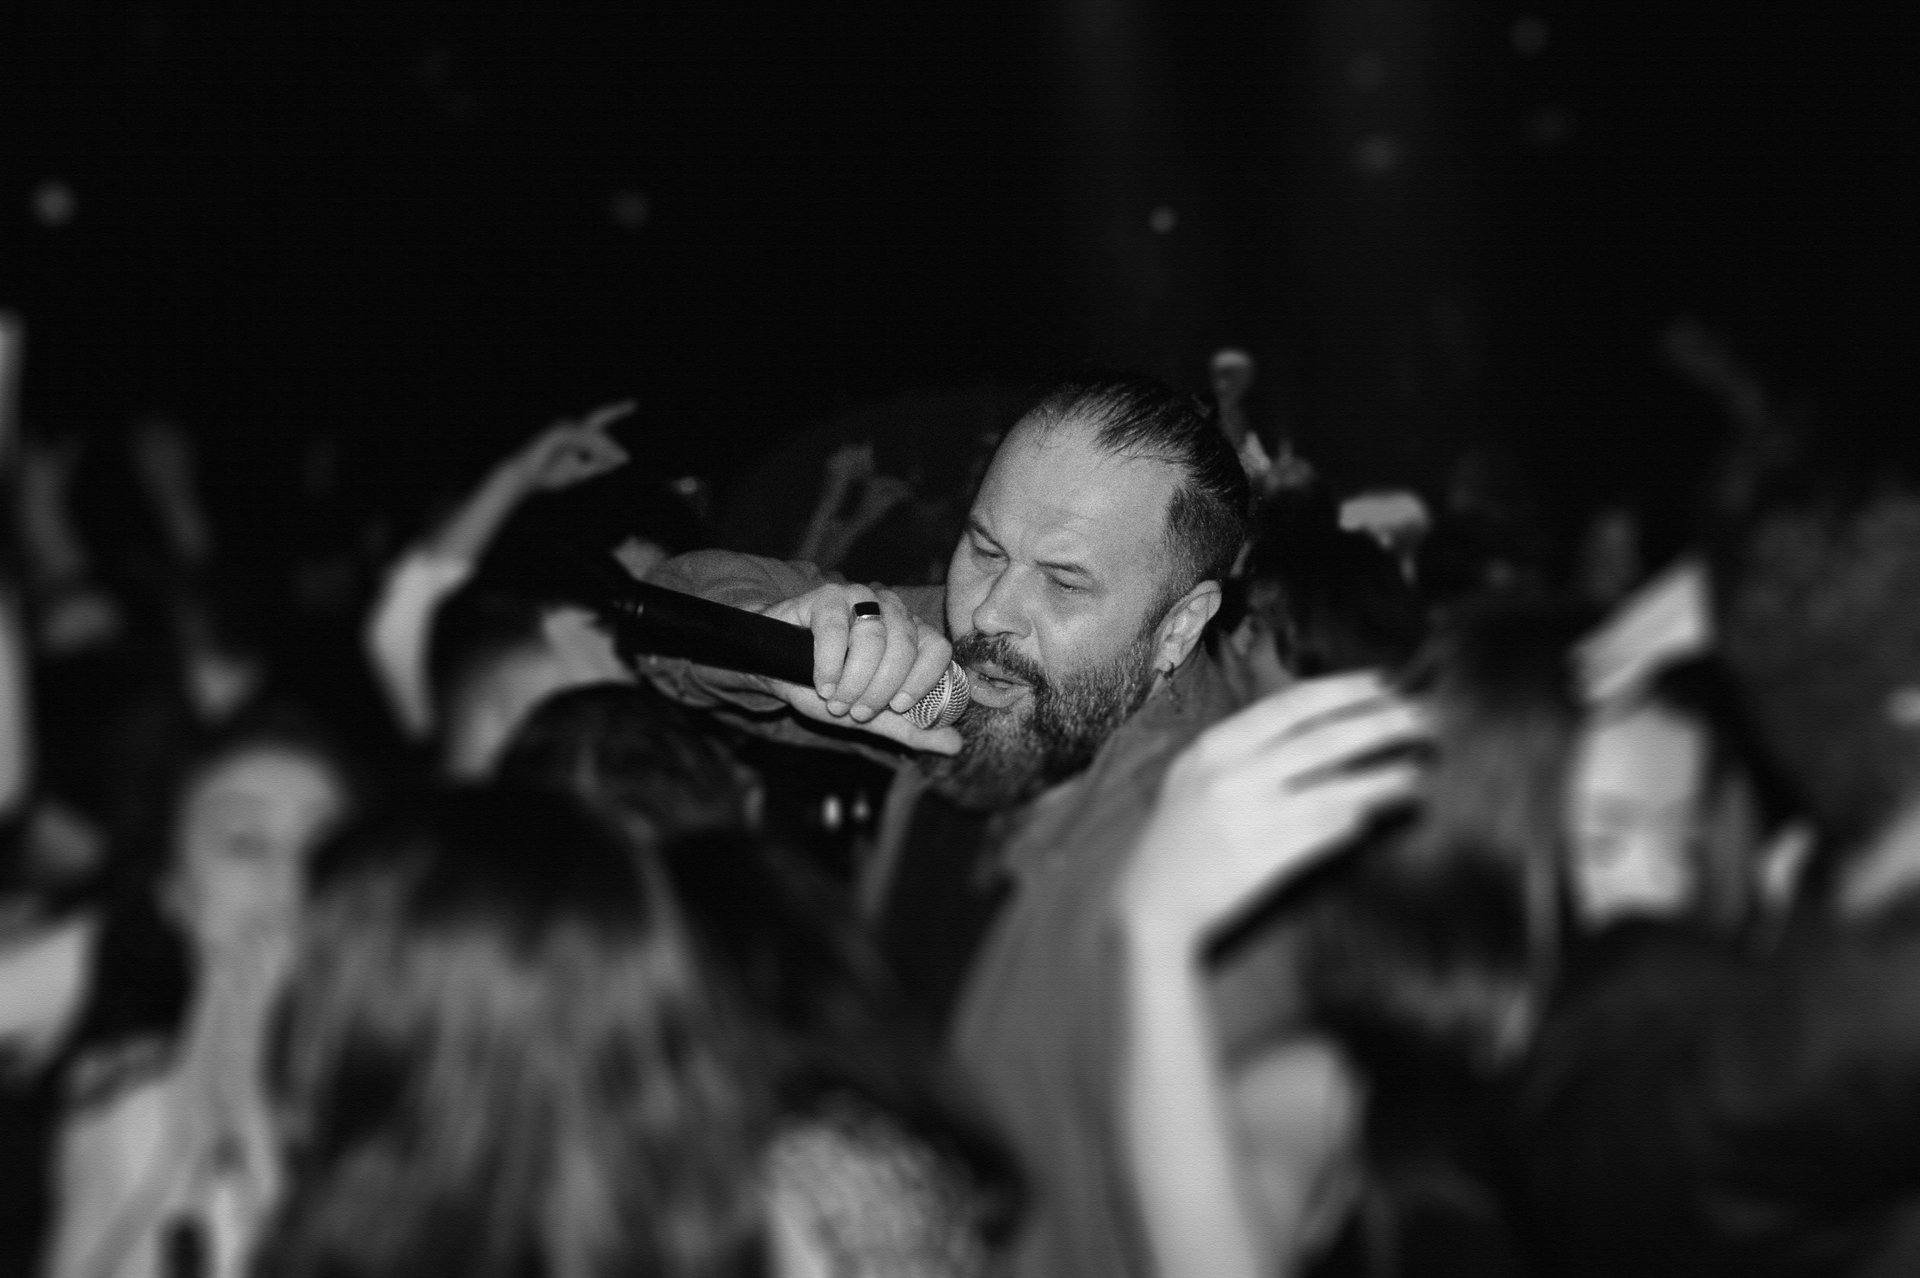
{"x": 1141, "y": 418}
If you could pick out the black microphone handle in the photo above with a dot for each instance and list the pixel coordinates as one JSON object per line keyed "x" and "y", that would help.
{"x": 655, "y": 621}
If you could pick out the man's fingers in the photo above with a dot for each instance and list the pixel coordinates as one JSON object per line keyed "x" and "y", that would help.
{"x": 899, "y": 728}
{"x": 932, "y": 655}
{"x": 902, "y": 635}
{"x": 894, "y": 727}
{"x": 867, "y": 640}
{"x": 829, "y": 625}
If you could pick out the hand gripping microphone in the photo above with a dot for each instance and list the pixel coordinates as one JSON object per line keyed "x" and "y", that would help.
{"x": 655, "y": 621}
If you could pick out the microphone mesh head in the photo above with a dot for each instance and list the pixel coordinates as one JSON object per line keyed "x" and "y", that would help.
{"x": 944, "y": 702}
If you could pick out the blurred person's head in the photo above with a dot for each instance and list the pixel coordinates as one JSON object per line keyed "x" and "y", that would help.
{"x": 500, "y": 1056}
{"x": 660, "y": 768}
{"x": 1230, "y": 375}
{"x": 246, "y": 809}
{"x": 1230, "y": 372}
{"x": 1447, "y": 922}
{"x": 1432, "y": 955}
{"x": 1499, "y": 680}
{"x": 1672, "y": 802}
{"x": 496, "y": 654}
{"x": 1634, "y": 805}
{"x": 1817, "y": 602}
{"x": 1090, "y": 566}
{"x": 1333, "y": 600}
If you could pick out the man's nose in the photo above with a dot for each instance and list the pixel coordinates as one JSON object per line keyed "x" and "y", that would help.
{"x": 1003, "y": 611}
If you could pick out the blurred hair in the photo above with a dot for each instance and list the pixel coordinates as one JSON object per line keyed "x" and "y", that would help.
{"x": 1341, "y": 602}
{"x": 1432, "y": 954}
{"x": 1138, "y": 417}
{"x": 1500, "y": 684}
{"x": 1743, "y": 800}
{"x": 829, "y": 1010}
{"x": 1450, "y": 917}
{"x": 499, "y": 1057}
{"x": 830, "y": 1017}
{"x": 1817, "y": 603}
{"x": 657, "y": 766}
{"x": 474, "y": 630}
{"x": 189, "y": 752}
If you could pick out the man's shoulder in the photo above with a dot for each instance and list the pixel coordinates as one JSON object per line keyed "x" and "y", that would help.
{"x": 1208, "y": 688}
{"x": 1097, "y": 813}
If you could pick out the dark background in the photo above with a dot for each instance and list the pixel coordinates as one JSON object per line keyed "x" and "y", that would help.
{"x": 435, "y": 225}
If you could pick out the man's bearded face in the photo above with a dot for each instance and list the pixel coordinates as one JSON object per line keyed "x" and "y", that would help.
{"x": 1012, "y": 753}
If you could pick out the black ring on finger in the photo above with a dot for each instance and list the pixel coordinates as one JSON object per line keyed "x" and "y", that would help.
{"x": 864, "y": 609}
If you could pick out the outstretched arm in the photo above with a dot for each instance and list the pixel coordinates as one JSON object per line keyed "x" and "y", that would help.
{"x": 396, "y": 636}
{"x": 1250, "y": 804}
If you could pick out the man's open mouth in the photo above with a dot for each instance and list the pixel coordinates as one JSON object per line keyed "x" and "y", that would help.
{"x": 994, "y": 687}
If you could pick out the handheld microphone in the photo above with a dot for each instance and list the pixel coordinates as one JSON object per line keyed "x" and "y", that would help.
{"x": 652, "y": 620}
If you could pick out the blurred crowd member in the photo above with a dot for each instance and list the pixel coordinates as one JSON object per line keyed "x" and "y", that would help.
{"x": 398, "y": 630}
{"x": 1231, "y": 372}
{"x": 849, "y": 1053}
{"x": 1248, "y": 805}
{"x": 1671, "y": 805}
{"x": 148, "y": 625}
{"x": 165, "y": 1146}
{"x": 1487, "y": 534}
{"x": 1331, "y": 600}
{"x": 1773, "y": 1096}
{"x": 853, "y": 498}
{"x": 1396, "y": 518}
{"x": 1429, "y": 953}
{"x": 505, "y": 954}
{"x": 1428, "y": 950}
{"x": 1076, "y": 600}
{"x": 899, "y": 1161}
{"x": 495, "y": 654}
{"x": 659, "y": 769}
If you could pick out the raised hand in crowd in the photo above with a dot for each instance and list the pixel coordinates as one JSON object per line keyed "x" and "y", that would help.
{"x": 850, "y": 479}
{"x": 1257, "y": 798}
{"x": 573, "y": 451}
{"x": 564, "y": 454}
{"x": 1251, "y": 803}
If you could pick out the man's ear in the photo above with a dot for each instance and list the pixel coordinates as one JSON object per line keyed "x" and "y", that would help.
{"x": 1180, "y": 629}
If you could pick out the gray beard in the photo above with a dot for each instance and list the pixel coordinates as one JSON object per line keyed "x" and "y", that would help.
{"x": 1012, "y": 754}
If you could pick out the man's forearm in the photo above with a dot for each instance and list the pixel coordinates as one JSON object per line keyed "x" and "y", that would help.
{"x": 738, "y": 580}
